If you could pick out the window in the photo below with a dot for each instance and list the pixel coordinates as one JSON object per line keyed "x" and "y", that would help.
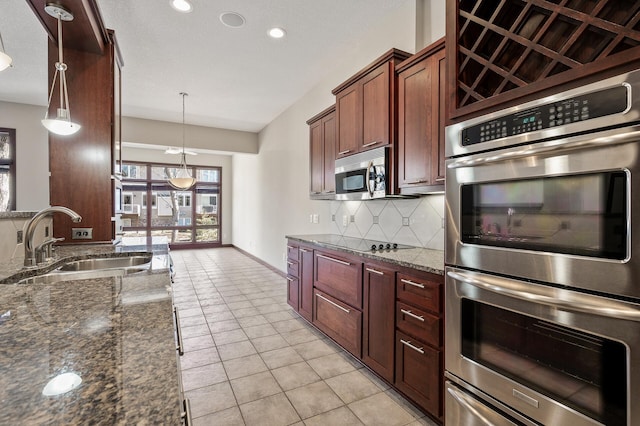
{"x": 184, "y": 217}
{"x": 7, "y": 170}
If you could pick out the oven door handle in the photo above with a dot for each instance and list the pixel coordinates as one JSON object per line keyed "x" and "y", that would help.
{"x": 368, "y": 180}
{"x": 542, "y": 148}
{"x": 561, "y": 299}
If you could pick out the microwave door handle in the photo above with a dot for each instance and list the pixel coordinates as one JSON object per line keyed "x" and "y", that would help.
{"x": 368, "y": 181}
{"x": 570, "y": 301}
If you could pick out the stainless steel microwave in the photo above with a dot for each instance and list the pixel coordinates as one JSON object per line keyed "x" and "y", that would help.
{"x": 363, "y": 176}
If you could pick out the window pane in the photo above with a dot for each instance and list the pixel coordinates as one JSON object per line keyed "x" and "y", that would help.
{"x": 173, "y": 235}
{"x": 133, "y": 210}
{"x": 169, "y": 211}
{"x": 210, "y": 235}
{"x": 134, "y": 171}
{"x": 166, "y": 172}
{"x": 5, "y": 146}
{"x": 208, "y": 175}
{"x": 5, "y": 189}
{"x": 207, "y": 205}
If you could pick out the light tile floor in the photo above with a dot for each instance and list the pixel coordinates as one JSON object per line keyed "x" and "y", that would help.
{"x": 251, "y": 360}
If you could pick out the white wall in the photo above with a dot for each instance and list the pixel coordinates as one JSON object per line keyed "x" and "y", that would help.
{"x": 224, "y": 161}
{"x": 272, "y": 189}
{"x": 32, "y": 154}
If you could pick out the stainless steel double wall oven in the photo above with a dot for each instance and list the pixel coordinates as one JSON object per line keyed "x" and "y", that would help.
{"x": 542, "y": 264}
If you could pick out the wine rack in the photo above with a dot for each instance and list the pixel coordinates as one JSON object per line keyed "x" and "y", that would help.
{"x": 506, "y": 49}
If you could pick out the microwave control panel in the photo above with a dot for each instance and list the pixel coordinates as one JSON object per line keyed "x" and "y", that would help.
{"x": 601, "y": 103}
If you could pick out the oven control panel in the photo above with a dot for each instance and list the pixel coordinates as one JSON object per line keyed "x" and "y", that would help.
{"x": 613, "y": 100}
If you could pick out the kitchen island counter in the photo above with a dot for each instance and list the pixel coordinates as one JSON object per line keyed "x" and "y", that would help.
{"x": 115, "y": 333}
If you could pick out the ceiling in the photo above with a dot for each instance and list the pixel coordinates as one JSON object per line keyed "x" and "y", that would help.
{"x": 237, "y": 78}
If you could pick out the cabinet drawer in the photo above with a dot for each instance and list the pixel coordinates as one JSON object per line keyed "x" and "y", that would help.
{"x": 419, "y": 373}
{"x": 418, "y": 323}
{"x": 339, "y": 321}
{"x": 292, "y": 252}
{"x": 339, "y": 276}
{"x": 420, "y": 292}
{"x": 293, "y": 292}
{"x": 292, "y": 268}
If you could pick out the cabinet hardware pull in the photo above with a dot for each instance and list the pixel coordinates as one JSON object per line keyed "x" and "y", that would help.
{"x": 415, "y": 348}
{"x": 374, "y": 271}
{"x": 439, "y": 179}
{"x": 316, "y": 192}
{"x": 289, "y": 263}
{"x": 305, "y": 250}
{"x": 290, "y": 247}
{"x": 342, "y": 262}
{"x": 180, "y": 346}
{"x": 328, "y": 192}
{"x": 412, "y": 283}
{"x": 290, "y": 279}
{"x": 186, "y": 414}
{"x": 333, "y": 303}
{"x": 370, "y": 143}
{"x": 344, "y": 152}
{"x": 417, "y": 181}
{"x": 412, "y": 315}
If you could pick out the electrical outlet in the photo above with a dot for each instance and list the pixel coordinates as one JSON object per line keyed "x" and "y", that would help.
{"x": 405, "y": 221}
{"x": 46, "y": 231}
{"x": 310, "y": 218}
{"x": 352, "y": 218}
{"x": 345, "y": 220}
{"x": 81, "y": 233}
{"x": 19, "y": 237}
{"x": 316, "y": 218}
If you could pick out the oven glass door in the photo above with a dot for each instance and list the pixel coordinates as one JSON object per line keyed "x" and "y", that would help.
{"x": 580, "y": 370}
{"x": 353, "y": 181}
{"x": 583, "y": 214}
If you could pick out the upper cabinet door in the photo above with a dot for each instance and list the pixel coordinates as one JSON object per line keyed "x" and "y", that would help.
{"x": 316, "y": 158}
{"x": 439, "y": 119}
{"x": 329, "y": 136}
{"x": 375, "y": 109}
{"x": 349, "y": 120}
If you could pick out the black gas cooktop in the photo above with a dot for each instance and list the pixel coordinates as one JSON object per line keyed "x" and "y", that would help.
{"x": 360, "y": 244}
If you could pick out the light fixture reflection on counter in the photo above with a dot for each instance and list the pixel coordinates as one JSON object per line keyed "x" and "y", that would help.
{"x": 62, "y": 383}
{"x": 5, "y": 60}
{"x": 62, "y": 124}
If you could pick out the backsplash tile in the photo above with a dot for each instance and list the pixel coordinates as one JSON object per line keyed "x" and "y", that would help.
{"x": 417, "y": 222}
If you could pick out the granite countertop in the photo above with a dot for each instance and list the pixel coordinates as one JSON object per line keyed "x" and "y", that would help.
{"x": 419, "y": 258}
{"x": 115, "y": 332}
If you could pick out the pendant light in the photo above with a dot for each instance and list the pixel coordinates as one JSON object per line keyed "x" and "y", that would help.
{"x": 182, "y": 180}
{"x": 5, "y": 60}
{"x": 62, "y": 124}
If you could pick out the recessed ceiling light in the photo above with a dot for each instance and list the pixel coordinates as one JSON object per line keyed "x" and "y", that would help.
{"x": 277, "y": 32}
{"x": 232, "y": 19}
{"x": 183, "y": 6}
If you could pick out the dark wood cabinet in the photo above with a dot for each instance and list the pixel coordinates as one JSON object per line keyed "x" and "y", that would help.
{"x": 293, "y": 282}
{"x": 366, "y": 106}
{"x": 305, "y": 268}
{"x": 378, "y": 331}
{"x": 419, "y": 339}
{"x": 340, "y": 276}
{"x": 421, "y": 120}
{"x": 322, "y": 154}
{"x": 505, "y": 53}
{"x": 341, "y": 322}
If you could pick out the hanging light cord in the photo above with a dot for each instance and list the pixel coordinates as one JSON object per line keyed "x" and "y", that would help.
{"x": 61, "y": 67}
{"x": 2, "y": 44}
{"x": 184, "y": 160}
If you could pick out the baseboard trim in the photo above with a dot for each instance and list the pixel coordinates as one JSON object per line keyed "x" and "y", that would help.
{"x": 260, "y": 261}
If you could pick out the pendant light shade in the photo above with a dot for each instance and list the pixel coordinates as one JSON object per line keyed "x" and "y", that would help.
{"x": 62, "y": 124}
{"x": 5, "y": 60}
{"x": 183, "y": 179}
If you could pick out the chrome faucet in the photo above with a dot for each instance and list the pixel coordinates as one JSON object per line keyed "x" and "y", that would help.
{"x": 30, "y": 254}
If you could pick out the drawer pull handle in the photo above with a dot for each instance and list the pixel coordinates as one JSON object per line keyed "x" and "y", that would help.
{"x": 344, "y": 152}
{"x": 291, "y": 247}
{"x": 440, "y": 179}
{"x": 412, "y": 283}
{"x": 417, "y": 181}
{"x": 180, "y": 347}
{"x": 375, "y": 272}
{"x": 342, "y": 262}
{"x": 333, "y": 303}
{"x": 370, "y": 143}
{"x": 305, "y": 250}
{"x": 415, "y": 348}
{"x": 289, "y": 263}
{"x": 412, "y": 315}
{"x": 289, "y": 279}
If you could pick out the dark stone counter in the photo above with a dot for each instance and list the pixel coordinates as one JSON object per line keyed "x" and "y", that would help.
{"x": 115, "y": 332}
{"x": 417, "y": 258}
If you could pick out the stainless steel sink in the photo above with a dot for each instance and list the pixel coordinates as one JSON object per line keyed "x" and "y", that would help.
{"x": 120, "y": 262}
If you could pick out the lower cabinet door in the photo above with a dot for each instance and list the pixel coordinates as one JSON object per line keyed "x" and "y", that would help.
{"x": 293, "y": 292}
{"x": 339, "y": 321}
{"x": 419, "y": 372}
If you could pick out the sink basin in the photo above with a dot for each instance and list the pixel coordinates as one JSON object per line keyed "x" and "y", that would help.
{"x": 121, "y": 262}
